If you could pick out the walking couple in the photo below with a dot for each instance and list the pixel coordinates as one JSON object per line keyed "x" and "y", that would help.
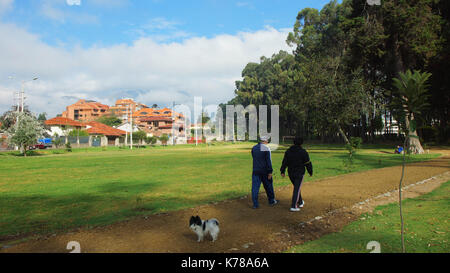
{"x": 295, "y": 160}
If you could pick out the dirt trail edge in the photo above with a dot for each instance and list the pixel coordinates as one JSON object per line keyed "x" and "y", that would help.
{"x": 330, "y": 204}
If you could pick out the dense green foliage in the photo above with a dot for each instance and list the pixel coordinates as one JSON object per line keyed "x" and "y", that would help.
{"x": 339, "y": 79}
{"x": 110, "y": 120}
{"x": 78, "y": 133}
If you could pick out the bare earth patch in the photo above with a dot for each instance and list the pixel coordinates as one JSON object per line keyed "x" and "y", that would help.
{"x": 330, "y": 204}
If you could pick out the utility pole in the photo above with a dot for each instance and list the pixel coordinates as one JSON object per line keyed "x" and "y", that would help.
{"x": 196, "y": 135}
{"x": 131, "y": 134}
{"x": 20, "y": 100}
{"x": 22, "y": 94}
{"x": 173, "y": 122}
{"x": 126, "y": 135}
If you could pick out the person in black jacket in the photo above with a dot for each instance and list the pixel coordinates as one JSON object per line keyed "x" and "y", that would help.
{"x": 296, "y": 159}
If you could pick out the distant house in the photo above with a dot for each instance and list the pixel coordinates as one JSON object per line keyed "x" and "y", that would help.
{"x": 85, "y": 110}
{"x": 99, "y": 129}
{"x": 159, "y": 125}
{"x": 62, "y": 126}
{"x": 157, "y": 122}
{"x": 124, "y": 108}
{"x": 127, "y": 127}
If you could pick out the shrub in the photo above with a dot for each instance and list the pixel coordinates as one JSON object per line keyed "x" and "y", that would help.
{"x": 164, "y": 138}
{"x": 68, "y": 147}
{"x": 352, "y": 147}
{"x": 75, "y": 133}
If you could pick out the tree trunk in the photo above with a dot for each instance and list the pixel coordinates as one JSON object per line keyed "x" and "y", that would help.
{"x": 341, "y": 132}
{"x": 413, "y": 143}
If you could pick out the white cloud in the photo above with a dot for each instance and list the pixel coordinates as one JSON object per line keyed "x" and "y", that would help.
{"x": 149, "y": 71}
{"x": 73, "y": 2}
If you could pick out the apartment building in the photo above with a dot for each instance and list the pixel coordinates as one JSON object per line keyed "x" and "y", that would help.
{"x": 150, "y": 120}
{"x": 124, "y": 107}
{"x": 85, "y": 110}
{"x": 159, "y": 121}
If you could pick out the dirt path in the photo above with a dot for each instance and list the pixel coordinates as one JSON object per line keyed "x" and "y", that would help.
{"x": 268, "y": 229}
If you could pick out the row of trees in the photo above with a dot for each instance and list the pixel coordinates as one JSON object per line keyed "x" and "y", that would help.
{"x": 353, "y": 65}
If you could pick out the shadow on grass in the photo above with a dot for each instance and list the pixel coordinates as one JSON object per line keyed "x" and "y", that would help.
{"x": 19, "y": 154}
{"x": 24, "y": 215}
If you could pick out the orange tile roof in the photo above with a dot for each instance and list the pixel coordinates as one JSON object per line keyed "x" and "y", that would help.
{"x": 144, "y": 112}
{"x": 64, "y": 121}
{"x": 150, "y": 112}
{"x": 83, "y": 104}
{"x": 155, "y": 118}
{"x": 102, "y": 129}
{"x": 123, "y": 101}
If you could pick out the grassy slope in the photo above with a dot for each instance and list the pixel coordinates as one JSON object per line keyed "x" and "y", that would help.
{"x": 95, "y": 187}
{"x": 426, "y": 225}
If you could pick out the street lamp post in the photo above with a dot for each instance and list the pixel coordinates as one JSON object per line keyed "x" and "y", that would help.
{"x": 23, "y": 92}
{"x": 21, "y": 98}
{"x": 173, "y": 122}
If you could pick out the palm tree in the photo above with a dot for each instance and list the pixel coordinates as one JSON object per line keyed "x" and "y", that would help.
{"x": 410, "y": 99}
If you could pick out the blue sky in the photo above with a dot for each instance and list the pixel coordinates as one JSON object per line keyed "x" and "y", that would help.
{"x": 103, "y": 22}
{"x": 154, "y": 51}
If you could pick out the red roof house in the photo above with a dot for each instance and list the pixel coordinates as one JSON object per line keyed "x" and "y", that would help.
{"x": 97, "y": 128}
{"x": 60, "y": 121}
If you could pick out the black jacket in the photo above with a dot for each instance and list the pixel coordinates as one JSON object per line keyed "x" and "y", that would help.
{"x": 296, "y": 159}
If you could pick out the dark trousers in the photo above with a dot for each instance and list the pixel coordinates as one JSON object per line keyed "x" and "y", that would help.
{"x": 296, "y": 194}
{"x": 268, "y": 186}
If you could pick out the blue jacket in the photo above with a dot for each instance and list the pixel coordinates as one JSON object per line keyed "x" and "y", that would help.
{"x": 262, "y": 159}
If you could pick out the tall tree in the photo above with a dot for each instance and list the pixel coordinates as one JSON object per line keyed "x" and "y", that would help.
{"x": 335, "y": 94}
{"x": 391, "y": 38}
{"x": 42, "y": 117}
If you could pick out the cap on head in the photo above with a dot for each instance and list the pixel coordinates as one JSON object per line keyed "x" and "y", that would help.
{"x": 264, "y": 138}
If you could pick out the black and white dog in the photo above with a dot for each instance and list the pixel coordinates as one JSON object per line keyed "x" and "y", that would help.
{"x": 202, "y": 228}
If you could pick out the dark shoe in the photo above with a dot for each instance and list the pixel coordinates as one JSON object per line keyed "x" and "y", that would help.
{"x": 255, "y": 207}
{"x": 275, "y": 202}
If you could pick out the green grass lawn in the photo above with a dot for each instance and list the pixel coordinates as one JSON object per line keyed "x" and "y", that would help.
{"x": 426, "y": 226}
{"x": 51, "y": 192}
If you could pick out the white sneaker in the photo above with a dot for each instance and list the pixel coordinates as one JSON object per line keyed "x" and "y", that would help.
{"x": 301, "y": 205}
{"x": 295, "y": 209}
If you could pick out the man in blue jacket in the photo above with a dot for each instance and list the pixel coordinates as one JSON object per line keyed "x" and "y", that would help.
{"x": 262, "y": 172}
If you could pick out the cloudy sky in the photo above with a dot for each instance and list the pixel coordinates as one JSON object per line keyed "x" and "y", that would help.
{"x": 155, "y": 51}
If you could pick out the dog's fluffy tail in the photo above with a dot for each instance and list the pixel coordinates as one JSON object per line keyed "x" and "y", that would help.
{"x": 215, "y": 220}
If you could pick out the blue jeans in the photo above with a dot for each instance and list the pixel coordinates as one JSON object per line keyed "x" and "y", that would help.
{"x": 268, "y": 186}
